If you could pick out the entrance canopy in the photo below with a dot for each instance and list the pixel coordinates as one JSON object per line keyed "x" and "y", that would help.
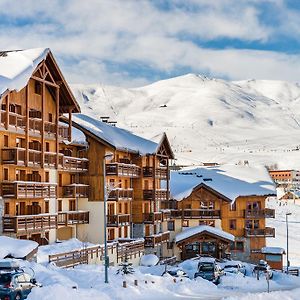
{"x": 192, "y": 232}
{"x": 203, "y": 240}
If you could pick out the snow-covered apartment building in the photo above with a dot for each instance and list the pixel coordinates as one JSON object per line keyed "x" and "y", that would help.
{"x": 55, "y": 161}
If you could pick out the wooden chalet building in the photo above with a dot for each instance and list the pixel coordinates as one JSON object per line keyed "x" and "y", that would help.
{"x": 133, "y": 176}
{"x": 230, "y": 198}
{"x": 38, "y": 163}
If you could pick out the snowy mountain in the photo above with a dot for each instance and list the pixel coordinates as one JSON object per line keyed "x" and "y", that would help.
{"x": 207, "y": 119}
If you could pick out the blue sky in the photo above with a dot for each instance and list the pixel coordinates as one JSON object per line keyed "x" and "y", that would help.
{"x": 135, "y": 42}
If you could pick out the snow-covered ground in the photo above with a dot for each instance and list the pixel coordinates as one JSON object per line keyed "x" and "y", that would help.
{"x": 207, "y": 119}
{"x": 279, "y": 223}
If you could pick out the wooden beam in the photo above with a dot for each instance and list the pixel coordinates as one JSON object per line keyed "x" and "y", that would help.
{"x": 70, "y": 125}
{"x": 7, "y": 111}
{"x": 57, "y": 128}
{"x": 44, "y": 81}
{"x": 43, "y": 123}
{"x": 27, "y": 124}
{"x": 154, "y": 180}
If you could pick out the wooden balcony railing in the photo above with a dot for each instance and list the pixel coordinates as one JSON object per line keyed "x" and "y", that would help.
{"x": 160, "y": 172}
{"x": 73, "y": 217}
{"x": 29, "y": 224}
{"x": 35, "y": 125}
{"x": 76, "y": 190}
{"x": 155, "y": 195}
{"x": 196, "y": 214}
{"x": 118, "y": 220}
{"x": 156, "y": 239}
{"x": 120, "y": 169}
{"x": 259, "y": 213}
{"x": 75, "y": 163}
{"x": 260, "y": 232}
{"x": 120, "y": 194}
{"x": 152, "y": 217}
{"x": 28, "y": 189}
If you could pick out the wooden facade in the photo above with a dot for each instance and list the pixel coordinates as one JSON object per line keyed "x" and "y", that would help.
{"x": 32, "y": 142}
{"x": 245, "y": 218}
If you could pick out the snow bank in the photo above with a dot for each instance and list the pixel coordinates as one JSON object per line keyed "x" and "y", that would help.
{"x": 229, "y": 180}
{"x": 15, "y": 248}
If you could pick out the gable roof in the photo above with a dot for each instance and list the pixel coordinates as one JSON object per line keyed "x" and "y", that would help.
{"x": 114, "y": 137}
{"x": 201, "y": 229}
{"x": 231, "y": 181}
{"x": 17, "y": 66}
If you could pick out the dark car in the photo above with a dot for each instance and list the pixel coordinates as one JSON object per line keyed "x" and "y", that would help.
{"x": 15, "y": 284}
{"x": 262, "y": 268}
{"x": 177, "y": 273}
{"x": 209, "y": 270}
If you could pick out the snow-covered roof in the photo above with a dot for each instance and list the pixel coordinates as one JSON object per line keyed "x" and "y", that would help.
{"x": 191, "y": 231}
{"x": 272, "y": 250}
{"x": 118, "y": 138}
{"x": 231, "y": 181}
{"x": 16, "y": 248}
{"x": 16, "y": 67}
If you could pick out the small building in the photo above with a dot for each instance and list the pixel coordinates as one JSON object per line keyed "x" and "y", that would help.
{"x": 203, "y": 240}
{"x": 274, "y": 257}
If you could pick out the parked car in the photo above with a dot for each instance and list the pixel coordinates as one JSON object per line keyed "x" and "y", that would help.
{"x": 263, "y": 268}
{"x": 208, "y": 269}
{"x": 15, "y": 284}
{"x": 235, "y": 268}
{"x": 176, "y": 273}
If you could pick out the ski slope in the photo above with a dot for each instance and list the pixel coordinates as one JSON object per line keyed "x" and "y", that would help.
{"x": 207, "y": 119}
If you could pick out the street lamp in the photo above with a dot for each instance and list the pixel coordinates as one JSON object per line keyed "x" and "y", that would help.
{"x": 287, "y": 242}
{"x": 106, "y": 157}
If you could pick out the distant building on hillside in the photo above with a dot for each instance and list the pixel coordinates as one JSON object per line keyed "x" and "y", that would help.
{"x": 285, "y": 176}
{"x": 219, "y": 211}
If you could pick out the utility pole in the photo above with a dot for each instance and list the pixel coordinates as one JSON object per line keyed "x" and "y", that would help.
{"x": 287, "y": 242}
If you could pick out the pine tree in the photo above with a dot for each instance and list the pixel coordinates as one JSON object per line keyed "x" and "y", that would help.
{"x": 125, "y": 267}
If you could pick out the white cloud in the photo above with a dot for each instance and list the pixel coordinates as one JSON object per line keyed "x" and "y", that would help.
{"x": 138, "y": 32}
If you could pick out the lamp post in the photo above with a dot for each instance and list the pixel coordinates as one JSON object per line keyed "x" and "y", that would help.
{"x": 287, "y": 242}
{"x": 106, "y": 262}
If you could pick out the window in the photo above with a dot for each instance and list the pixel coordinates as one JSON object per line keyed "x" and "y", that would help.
{"x": 38, "y": 88}
{"x": 5, "y": 137}
{"x": 47, "y": 147}
{"x": 232, "y": 224}
{"x": 185, "y": 223}
{"x": 125, "y": 231}
{"x": 50, "y": 117}
{"x": 120, "y": 208}
{"x": 207, "y": 222}
{"x": 171, "y": 225}
{"x": 111, "y": 234}
{"x": 46, "y": 176}
{"x": 46, "y": 207}
{"x": 207, "y": 204}
{"x": 5, "y": 174}
{"x": 233, "y": 206}
{"x": 120, "y": 232}
{"x": 237, "y": 246}
{"x": 72, "y": 205}
{"x": 274, "y": 257}
{"x": 59, "y": 205}
{"x": 126, "y": 208}
{"x": 60, "y": 179}
{"x": 6, "y": 208}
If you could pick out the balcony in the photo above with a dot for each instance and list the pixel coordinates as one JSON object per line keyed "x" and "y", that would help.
{"x": 260, "y": 232}
{"x": 259, "y": 213}
{"x": 29, "y": 224}
{"x": 28, "y": 189}
{"x": 160, "y": 172}
{"x": 156, "y": 239}
{"x": 125, "y": 170}
{"x": 73, "y": 218}
{"x": 74, "y": 164}
{"x": 118, "y": 220}
{"x": 196, "y": 214}
{"x": 150, "y": 218}
{"x": 120, "y": 194}
{"x": 18, "y": 122}
{"x": 76, "y": 190}
{"x": 155, "y": 195}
